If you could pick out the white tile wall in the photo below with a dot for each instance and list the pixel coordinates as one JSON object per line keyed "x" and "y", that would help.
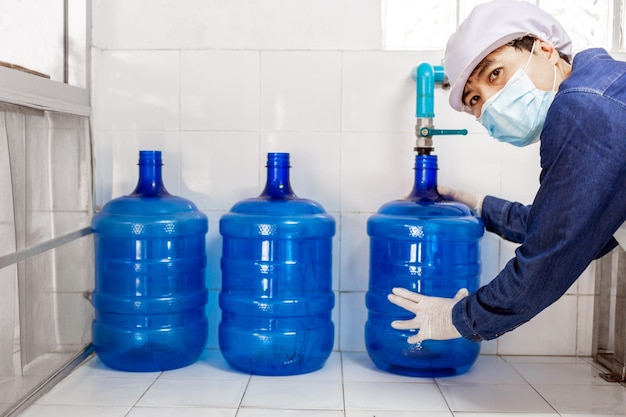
{"x": 220, "y": 90}
{"x": 301, "y": 91}
{"x": 138, "y": 90}
{"x": 218, "y": 84}
{"x": 237, "y": 24}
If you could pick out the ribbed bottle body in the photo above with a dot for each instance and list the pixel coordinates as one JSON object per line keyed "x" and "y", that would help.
{"x": 276, "y": 296}
{"x": 428, "y": 246}
{"x": 150, "y": 294}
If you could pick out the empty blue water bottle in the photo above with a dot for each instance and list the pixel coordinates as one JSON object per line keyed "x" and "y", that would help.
{"x": 276, "y": 296}
{"x": 150, "y": 292}
{"x": 429, "y": 246}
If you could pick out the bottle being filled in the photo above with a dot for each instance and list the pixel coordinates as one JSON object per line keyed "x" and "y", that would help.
{"x": 276, "y": 296}
{"x": 150, "y": 293}
{"x": 430, "y": 246}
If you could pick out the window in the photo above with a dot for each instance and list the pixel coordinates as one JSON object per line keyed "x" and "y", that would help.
{"x": 427, "y": 24}
{"x": 47, "y": 37}
{"x": 44, "y": 54}
{"x": 46, "y": 250}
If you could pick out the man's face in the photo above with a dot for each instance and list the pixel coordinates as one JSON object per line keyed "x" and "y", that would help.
{"x": 493, "y": 72}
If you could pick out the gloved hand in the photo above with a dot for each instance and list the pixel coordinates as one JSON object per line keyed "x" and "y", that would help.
{"x": 474, "y": 201}
{"x": 433, "y": 315}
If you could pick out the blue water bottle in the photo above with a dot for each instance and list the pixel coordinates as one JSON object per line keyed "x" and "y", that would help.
{"x": 429, "y": 246}
{"x": 276, "y": 296}
{"x": 150, "y": 292}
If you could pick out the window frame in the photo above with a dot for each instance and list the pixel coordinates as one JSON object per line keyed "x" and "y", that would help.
{"x": 25, "y": 89}
{"x": 29, "y": 90}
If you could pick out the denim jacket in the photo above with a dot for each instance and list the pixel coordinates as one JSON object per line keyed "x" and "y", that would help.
{"x": 580, "y": 204}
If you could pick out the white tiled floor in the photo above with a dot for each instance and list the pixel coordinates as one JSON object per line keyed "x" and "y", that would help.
{"x": 348, "y": 386}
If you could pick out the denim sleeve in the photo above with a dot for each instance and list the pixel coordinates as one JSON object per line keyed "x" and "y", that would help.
{"x": 581, "y": 202}
{"x": 505, "y": 218}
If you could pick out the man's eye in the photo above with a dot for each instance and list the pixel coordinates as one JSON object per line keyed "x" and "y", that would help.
{"x": 473, "y": 100}
{"x": 495, "y": 74}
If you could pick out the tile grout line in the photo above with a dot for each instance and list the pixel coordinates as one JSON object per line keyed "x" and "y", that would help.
{"x": 132, "y": 407}
{"x": 343, "y": 387}
{"x": 531, "y": 386}
{"x": 243, "y": 394}
{"x": 443, "y": 396}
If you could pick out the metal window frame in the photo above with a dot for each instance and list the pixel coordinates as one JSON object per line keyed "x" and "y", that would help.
{"x": 619, "y": 20}
{"x": 28, "y": 90}
{"x": 24, "y": 89}
{"x": 610, "y": 355}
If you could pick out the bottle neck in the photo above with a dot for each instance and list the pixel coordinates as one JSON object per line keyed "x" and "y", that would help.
{"x": 150, "y": 177}
{"x": 425, "y": 185}
{"x": 277, "y": 185}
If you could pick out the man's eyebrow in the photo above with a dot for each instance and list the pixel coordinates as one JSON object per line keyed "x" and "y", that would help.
{"x": 482, "y": 67}
{"x": 478, "y": 73}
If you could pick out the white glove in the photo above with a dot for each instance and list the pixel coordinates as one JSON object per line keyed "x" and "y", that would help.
{"x": 433, "y": 315}
{"x": 473, "y": 201}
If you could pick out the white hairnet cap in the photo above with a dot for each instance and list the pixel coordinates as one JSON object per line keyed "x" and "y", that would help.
{"x": 488, "y": 27}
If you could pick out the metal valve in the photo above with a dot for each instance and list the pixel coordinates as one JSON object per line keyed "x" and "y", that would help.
{"x": 425, "y": 76}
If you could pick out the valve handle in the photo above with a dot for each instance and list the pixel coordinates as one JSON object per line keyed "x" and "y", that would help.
{"x": 426, "y": 131}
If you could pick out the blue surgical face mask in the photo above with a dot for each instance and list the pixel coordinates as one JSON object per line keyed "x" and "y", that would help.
{"x": 516, "y": 113}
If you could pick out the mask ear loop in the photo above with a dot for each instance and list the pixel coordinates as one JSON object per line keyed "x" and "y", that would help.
{"x": 532, "y": 50}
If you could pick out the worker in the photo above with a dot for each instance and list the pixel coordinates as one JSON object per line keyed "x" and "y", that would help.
{"x": 510, "y": 65}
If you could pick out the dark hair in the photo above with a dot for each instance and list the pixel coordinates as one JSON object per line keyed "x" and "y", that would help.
{"x": 526, "y": 43}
